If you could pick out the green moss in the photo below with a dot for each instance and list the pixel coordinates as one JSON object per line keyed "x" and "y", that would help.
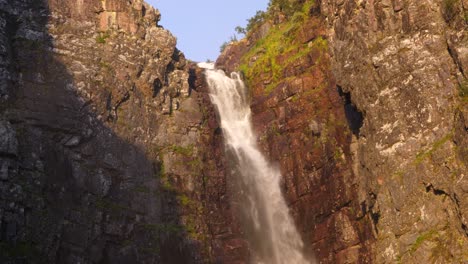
{"x": 191, "y": 229}
{"x": 165, "y": 228}
{"x": 195, "y": 164}
{"x": 421, "y": 239}
{"x": 105, "y": 66}
{"x": 161, "y": 170}
{"x": 421, "y": 156}
{"x": 278, "y": 50}
{"x": 101, "y": 38}
{"x": 295, "y": 98}
{"x": 166, "y": 185}
{"x": 185, "y": 151}
{"x": 308, "y": 6}
{"x": 274, "y": 130}
{"x": 184, "y": 200}
{"x": 337, "y": 154}
{"x": 463, "y": 90}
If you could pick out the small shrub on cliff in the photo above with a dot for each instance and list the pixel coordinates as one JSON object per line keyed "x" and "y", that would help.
{"x": 240, "y": 30}
{"x": 223, "y": 46}
{"x": 287, "y": 7}
{"x": 255, "y": 21}
{"x": 101, "y": 39}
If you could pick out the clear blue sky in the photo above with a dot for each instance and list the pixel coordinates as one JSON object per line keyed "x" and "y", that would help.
{"x": 202, "y": 26}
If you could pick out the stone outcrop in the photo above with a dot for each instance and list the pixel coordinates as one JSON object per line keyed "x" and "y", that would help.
{"x": 370, "y": 133}
{"x": 109, "y": 147}
{"x": 404, "y": 65}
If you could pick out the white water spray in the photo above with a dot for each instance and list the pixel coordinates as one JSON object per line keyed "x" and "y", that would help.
{"x": 269, "y": 227}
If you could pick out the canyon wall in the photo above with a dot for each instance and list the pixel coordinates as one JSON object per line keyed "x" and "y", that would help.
{"x": 363, "y": 104}
{"x": 404, "y": 65}
{"x": 110, "y": 151}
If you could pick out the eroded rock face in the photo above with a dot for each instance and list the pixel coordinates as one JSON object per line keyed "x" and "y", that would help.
{"x": 391, "y": 186}
{"x": 109, "y": 147}
{"x": 403, "y": 63}
{"x": 302, "y": 126}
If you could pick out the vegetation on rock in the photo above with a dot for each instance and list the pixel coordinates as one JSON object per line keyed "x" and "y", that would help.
{"x": 281, "y": 48}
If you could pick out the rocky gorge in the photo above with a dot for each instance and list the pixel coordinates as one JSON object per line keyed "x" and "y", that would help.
{"x": 111, "y": 151}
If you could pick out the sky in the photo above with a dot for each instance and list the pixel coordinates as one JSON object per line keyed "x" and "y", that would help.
{"x": 202, "y": 26}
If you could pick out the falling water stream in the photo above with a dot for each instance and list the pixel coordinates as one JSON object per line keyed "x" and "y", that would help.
{"x": 271, "y": 232}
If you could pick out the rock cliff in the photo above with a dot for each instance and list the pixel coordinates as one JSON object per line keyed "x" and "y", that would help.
{"x": 363, "y": 105}
{"x": 110, "y": 151}
{"x": 404, "y": 65}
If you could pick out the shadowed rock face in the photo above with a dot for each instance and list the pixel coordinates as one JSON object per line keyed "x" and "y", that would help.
{"x": 109, "y": 150}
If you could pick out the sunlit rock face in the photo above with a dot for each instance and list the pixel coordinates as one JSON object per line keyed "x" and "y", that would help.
{"x": 404, "y": 65}
{"x": 301, "y": 123}
{"x": 110, "y": 150}
{"x": 370, "y": 133}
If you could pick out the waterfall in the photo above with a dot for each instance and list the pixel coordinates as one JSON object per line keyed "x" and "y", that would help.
{"x": 270, "y": 229}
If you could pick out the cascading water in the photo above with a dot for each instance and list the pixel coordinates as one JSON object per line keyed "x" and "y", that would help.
{"x": 269, "y": 227}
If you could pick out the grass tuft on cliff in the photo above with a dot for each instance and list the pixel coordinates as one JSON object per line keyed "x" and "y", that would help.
{"x": 281, "y": 48}
{"x": 101, "y": 38}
